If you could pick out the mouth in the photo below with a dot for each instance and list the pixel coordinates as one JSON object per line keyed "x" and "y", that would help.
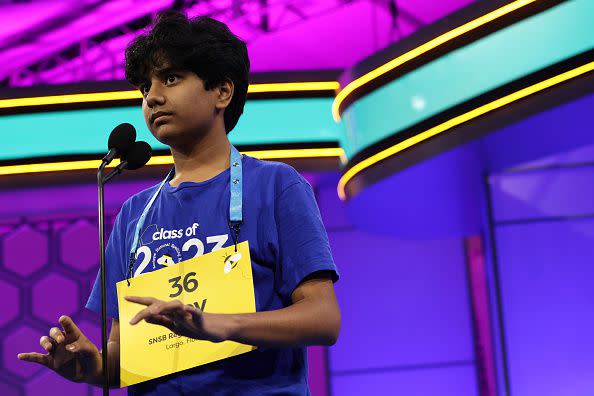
{"x": 160, "y": 116}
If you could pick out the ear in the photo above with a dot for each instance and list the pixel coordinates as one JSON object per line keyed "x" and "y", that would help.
{"x": 225, "y": 94}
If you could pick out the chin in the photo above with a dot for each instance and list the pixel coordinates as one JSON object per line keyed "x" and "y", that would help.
{"x": 165, "y": 134}
{"x": 174, "y": 137}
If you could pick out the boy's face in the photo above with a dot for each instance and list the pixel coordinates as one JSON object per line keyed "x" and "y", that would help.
{"x": 177, "y": 109}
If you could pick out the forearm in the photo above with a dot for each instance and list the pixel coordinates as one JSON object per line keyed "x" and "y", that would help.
{"x": 299, "y": 324}
{"x": 113, "y": 364}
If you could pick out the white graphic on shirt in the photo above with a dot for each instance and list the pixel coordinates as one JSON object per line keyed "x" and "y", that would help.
{"x": 165, "y": 261}
{"x": 146, "y": 253}
{"x": 168, "y": 253}
{"x": 194, "y": 242}
{"x": 218, "y": 239}
{"x": 167, "y": 257}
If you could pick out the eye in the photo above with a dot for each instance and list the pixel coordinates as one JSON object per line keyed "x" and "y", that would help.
{"x": 172, "y": 78}
{"x": 144, "y": 88}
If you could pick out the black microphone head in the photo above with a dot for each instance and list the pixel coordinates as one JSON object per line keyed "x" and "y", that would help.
{"x": 138, "y": 155}
{"x": 122, "y": 138}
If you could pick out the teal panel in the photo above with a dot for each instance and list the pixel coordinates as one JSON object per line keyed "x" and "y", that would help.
{"x": 520, "y": 49}
{"x": 86, "y": 131}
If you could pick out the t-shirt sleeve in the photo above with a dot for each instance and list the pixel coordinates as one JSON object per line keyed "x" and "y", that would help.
{"x": 302, "y": 238}
{"x": 115, "y": 262}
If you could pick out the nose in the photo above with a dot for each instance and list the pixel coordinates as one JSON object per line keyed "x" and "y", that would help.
{"x": 154, "y": 96}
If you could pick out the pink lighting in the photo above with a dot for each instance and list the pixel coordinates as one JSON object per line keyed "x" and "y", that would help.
{"x": 62, "y": 43}
{"x": 105, "y": 17}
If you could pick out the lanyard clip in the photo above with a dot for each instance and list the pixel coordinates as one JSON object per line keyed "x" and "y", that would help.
{"x": 235, "y": 226}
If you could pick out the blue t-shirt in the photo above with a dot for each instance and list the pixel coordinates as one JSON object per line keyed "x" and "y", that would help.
{"x": 287, "y": 240}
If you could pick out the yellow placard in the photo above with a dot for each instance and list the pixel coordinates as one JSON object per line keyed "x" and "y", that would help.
{"x": 217, "y": 282}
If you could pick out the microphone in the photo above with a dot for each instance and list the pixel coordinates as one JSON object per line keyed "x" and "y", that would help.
{"x": 121, "y": 140}
{"x": 135, "y": 158}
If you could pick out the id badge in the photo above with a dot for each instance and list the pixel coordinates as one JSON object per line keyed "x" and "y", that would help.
{"x": 216, "y": 282}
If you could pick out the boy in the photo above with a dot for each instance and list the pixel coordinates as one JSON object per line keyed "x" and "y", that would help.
{"x": 193, "y": 75}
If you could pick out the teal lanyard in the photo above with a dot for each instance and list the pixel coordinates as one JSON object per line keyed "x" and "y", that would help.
{"x": 235, "y": 204}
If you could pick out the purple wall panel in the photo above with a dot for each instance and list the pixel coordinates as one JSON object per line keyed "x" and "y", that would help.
{"x": 450, "y": 381}
{"x": 579, "y": 155}
{"x": 403, "y": 302}
{"x": 544, "y": 233}
{"x": 65, "y": 200}
{"x": 551, "y": 133}
{"x": 406, "y": 325}
{"x": 543, "y": 193}
{"x": 332, "y": 209}
{"x": 433, "y": 199}
{"x": 548, "y": 303}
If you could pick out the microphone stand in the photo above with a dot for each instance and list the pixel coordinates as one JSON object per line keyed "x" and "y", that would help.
{"x": 121, "y": 166}
{"x": 101, "y": 180}
{"x": 100, "y": 184}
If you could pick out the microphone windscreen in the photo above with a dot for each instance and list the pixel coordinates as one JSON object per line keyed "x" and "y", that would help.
{"x": 122, "y": 138}
{"x": 138, "y": 155}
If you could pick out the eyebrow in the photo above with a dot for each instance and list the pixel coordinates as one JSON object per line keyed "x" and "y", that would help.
{"x": 166, "y": 70}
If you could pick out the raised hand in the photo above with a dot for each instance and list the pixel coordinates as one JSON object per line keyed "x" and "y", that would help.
{"x": 182, "y": 319}
{"x": 69, "y": 353}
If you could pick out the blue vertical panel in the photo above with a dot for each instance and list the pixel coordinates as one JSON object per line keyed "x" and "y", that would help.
{"x": 450, "y": 381}
{"x": 403, "y": 303}
{"x": 548, "y": 306}
{"x": 550, "y": 134}
{"x": 543, "y": 193}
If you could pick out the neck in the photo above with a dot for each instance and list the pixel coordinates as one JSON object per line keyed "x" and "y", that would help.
{"x": 201, "y": 160}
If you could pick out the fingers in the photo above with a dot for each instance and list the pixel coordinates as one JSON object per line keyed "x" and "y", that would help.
{"x": 35, "y": 358}
{"x": 50, "y": 343}
{"x": 195, "y": 313}
{"x": 69, "y": 326}
{"x": 57, "y": 335}
{"x": 159, "y": 308}
{"x": 162, "y": 321}
{"x": 193, "y": 310}
{"x": 142, "y": 300}
{"x": 47, "y": 343}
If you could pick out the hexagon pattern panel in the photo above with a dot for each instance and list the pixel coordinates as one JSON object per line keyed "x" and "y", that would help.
{"x": 47, "y": 269}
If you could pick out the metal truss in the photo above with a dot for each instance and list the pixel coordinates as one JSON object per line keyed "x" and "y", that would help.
{"x": 100, "y": 56}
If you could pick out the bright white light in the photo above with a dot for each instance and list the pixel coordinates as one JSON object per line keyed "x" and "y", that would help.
{"x": 418, "y": 103}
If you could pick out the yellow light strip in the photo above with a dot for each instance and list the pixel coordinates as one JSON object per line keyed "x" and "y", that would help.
{"x": 503, "y": 101}
{"x": 51, "y": 167}
{"x": 135, "y": 94}
{"x": 418, "y": 51}
{"x": 67, "y": 99}
{"x": 297, "y": 153}
{"x": 164, "y": 160}
{"x": 294, "y": 87}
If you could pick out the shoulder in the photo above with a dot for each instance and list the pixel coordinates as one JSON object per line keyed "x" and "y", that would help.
{"x": 278, "y": 174}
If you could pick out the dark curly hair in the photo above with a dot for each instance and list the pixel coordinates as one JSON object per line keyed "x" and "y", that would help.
{"x": 201, "y": 45}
